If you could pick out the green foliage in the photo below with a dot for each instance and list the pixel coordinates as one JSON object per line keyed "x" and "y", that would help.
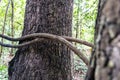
{"x": 19, "y": 9}
{"x": 84, "y": 15}
{"x": 3, "y": 72}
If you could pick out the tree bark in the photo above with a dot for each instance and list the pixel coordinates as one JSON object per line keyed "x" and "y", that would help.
{"x": 104, "y": 63}
{"x": 47, "y": 60}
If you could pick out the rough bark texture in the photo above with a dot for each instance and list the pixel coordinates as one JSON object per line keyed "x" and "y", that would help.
{"x": 48, "y": 60}
{"x": 105, "y": 60}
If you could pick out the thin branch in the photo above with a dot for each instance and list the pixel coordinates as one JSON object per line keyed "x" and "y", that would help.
{"x": 35, "y": 35}
{"x": 12, "y": 25}
{"x": 49, "y": 36}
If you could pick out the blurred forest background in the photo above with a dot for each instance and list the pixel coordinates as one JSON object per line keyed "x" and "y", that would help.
{"x": 11, "y": 24}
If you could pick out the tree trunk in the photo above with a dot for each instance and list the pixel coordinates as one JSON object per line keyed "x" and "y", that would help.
{"x": 104, "y": 63}
{"x": 47, "y": 60}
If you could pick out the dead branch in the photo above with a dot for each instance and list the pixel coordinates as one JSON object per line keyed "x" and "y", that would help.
{"x": 48, "y": 36}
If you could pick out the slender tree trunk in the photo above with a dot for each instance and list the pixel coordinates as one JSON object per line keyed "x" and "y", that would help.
{"x": 77, "y": 23}
{"x": 104, "y": 63}
{"x": 47, "y": 60}
{"x": 12, "y": 25}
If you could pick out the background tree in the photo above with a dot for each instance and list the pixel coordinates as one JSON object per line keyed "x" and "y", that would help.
{"x": 104, "y": 63}
{"x": 47, "y": 60}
